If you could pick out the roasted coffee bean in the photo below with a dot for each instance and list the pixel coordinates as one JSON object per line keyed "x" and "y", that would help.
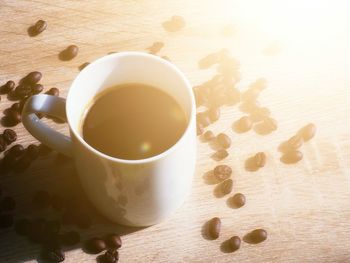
{"x": 260, "y": 159}
{"x": 22, "y": 163}
{"x": 7, "y": 204}
{"x": 3, "y": 143}
{"x": 223, "y": 140}
{"x": 208, "y": 136}
{"x": 14, "y": 117}
{"x": 260, "y": 114}
{"x": 6, "y": 220}
{"x": 238, "y": 200}
{"x": 33, "y": 151}
{"x": 23, "y": 90}
{"x": 95, "y": 245}
{"x": 249, "y": 106}
{"x": 53, "y": 92}
{"x": 15, "y": 106}
{"x": 84, "y": 65}
{"x": 7, "y": 87}
{"x": 39, "y": 27}
{"x": 222, "y": 172}
{"x": 257, "y": 236}
{"x": 291, "y": 157}
{"x": 113, "y": 241}
{"x": 226, "y": 186}
{"x": 203, "y": 119}
{"x": 70, "y": 238}
{"x": 200, "y": 129}
{"x": 44, "y": 149}
{"x": 9, "y": 135}
{"x": 37, "y": 88}
{"x": 307, "y": 132}
{"x": 57, "y": 202}
{"x": 22, "y": 227}
{"x": 214, "y": 114}
{"x": 244, "y": 124}
{"x": 41, "y": 199}
{"x": 16, "y": 150}
{"x": 69, "y": 53}
{"x": 53, "y": 254}
{"x": 220, "y": 154}
{"x": 295, "y": 142}
{"x": 235, "y": 243}
{"x": 110, "y": 256}
{"x": 214, "y": 227}
{"x": 156, "y": 47}
{"x": 32, "y": 78}
{"x": 233, "y": 96}
{"x": 176, "y": 23}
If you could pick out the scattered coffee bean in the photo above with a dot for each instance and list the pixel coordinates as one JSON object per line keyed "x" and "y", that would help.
{"x": 53, "y": 254}
{"x": 22, "y": 227}
{"x": 260, "y": 159}
{"x": 23, "y": 90}
{"x": 6, "y": 220}
{"x": 32, "y": 78}
{"x": 7, "y": 204}
{"x": 71, "y": 238}
{"x": 244, "y": 124}
{"x": 41, "y": 199}
{"x": 200, "y": 129}
{"x": 52, "y": 227}
{"x": 259, "y": 114}
{"x": 53, "y": 92}
{"x": 84, "y": 65}
{"x": 38, "y": 27}
{"x": 69, "y": 53}
{"x": 214, "y": 227}
{"x": 14, "y": 117}
{"x": 257, "y": 236}
{"x": 156, "y": 47}
{"x": 3, "y": 143}
{"x": 7, "y": 87}
{"x": 33, "y": 151}
{"x": 235, "y": 243}
{"x": 223, "y": 140}
{"x": 307, "y": 132}
{"x": 220, "y": 154}
{"x": 233, "y": 96}
{"x": 291, "y": 157}
{"x": 176, "y": 23}
{"x": 208, "y": 136}
{"x": 214, "y": 114}
{"x": 113, "y": 241}
{"x": 95, "y": 245}
{"x": 238, "y": 200}
{"x": 222, "y": 172}
{"x": 15, "y": 106}
{"x": 9, "y": 135}
{"x": 226, "y": 187}
{"x": 295, "y": 142}
{"x": 110, "y": 256}
{"x": 37, "y": 88}
{"x": 16, "y": 150}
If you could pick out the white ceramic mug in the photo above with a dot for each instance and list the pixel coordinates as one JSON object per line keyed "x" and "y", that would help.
{"x": 129, "y": 192}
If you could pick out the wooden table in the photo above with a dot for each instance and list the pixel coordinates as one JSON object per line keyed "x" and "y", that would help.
{"x": 302, "y": 49}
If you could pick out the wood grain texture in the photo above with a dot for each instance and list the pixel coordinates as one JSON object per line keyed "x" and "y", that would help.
{"x": 304, "y": 207}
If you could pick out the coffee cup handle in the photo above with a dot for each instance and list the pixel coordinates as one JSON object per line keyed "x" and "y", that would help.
{"x": 49, "y": 105}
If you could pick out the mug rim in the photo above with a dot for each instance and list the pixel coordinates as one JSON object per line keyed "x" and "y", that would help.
{"x": 154, "y": 157}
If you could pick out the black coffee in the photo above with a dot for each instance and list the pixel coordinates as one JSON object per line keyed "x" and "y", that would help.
{"x": 133, "y": 121}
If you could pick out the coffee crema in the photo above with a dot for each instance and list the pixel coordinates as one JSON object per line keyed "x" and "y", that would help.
{"x": 133, "y": 121}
